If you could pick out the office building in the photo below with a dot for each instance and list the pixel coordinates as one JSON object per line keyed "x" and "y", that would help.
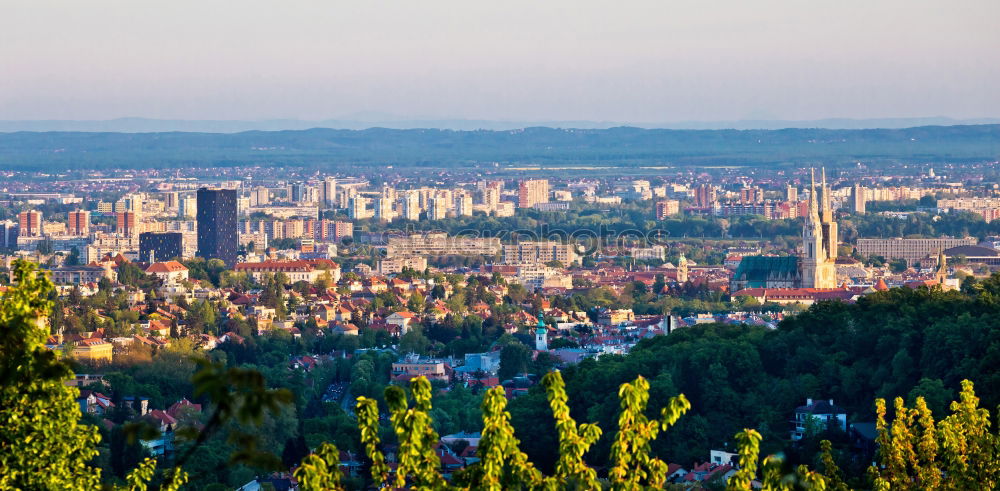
{"x": 125, "y": 223}
{"x": 217, "y": 224}
{"x": 751, "y": 195}
{"x": 134, "y": 203}
{"x": 704, "y": 196}
{"x": 79, "y": 222}
{"x": 30, "y": 223}
{"x": 539, "y": 252}
{"x": 328, "y": 192}
{"x": 463, "y": 204}
{"x": 260, "y": 196}
{"x": 296, "y": 193}
{"x": 440, "y": 244}
{"x": 667, "y": 208}
{"x": 8, "y": 234}
{"x": 188, "y": 207}
{"x": 411, "y": 206}
{"x": 358, "y": 208}
{"x": 911, "y": 250}
{"x": 791, "y": 193}
{"x": 383, "y": 209}
{"x": 398, "y": 264}
{"x": 858, "y": 199}
{"x": 171, "y": 200}
{"x": 160, "y": 246}
{"x": 438, "y": 209}
{"x": 656, "y": 252}
{"x": 533, "y": 191}
{"x": 491, "y": 194}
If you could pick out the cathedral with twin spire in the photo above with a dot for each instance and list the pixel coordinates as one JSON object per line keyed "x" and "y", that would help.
{"x": 813, "y": 267}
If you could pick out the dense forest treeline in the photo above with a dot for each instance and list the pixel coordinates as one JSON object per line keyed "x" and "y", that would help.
{"x": 902, "y": 342}
{"x": 623, "y": 146}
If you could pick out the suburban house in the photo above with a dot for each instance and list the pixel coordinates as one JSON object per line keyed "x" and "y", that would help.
{"x": 821, "y": 415}
{"x": 94, "y": 402}
{"x": 402, "y": 319}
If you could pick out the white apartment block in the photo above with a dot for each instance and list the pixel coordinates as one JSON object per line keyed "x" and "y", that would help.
{"x": 440, "y": 244}
{"x": 541, "y": 252}
{"x": 912, "y": 250}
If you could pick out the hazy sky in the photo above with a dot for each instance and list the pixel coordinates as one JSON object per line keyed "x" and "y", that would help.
{"x": 638, "y": 61}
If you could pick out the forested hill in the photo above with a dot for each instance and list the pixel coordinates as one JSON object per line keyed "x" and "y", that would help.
{"x": 901, "y": 343}
{"x": 443, "y": 148}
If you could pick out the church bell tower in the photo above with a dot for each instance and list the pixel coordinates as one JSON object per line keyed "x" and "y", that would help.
{"x": 817, "y": 263}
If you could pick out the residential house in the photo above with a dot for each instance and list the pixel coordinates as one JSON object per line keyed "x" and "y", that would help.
{"x": 94, "y": 402}
{"x": 402, "y": 320}
{"x": 818, "y": 415}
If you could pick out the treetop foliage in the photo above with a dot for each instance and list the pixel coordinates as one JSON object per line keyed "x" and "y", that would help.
{"x": 42, "y": 443}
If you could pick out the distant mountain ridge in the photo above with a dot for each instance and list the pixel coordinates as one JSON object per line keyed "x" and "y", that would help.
{"x": 149, "y": 125}
{"x": 437, "y": 148}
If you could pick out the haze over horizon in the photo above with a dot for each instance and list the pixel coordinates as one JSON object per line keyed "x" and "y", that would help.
{"x": 645, "y": 61}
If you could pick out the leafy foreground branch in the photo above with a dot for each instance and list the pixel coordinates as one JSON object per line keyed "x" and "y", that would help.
{"x": 43, "y": 445}
{"x": 909, "y": 448}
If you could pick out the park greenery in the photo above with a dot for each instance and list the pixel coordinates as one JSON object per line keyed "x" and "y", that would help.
{"x": 918, "y": 348}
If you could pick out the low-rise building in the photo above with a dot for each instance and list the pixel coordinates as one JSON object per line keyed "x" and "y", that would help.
{"x": 615, "y": 317}
{"x": 402, "y": 320}
{"x": 170, "y": 272}
{"x": 539, "y": 252}
{"x": 818, "y": 415}
{"x": 911, "y": 250}
{"x": 440, "y": 244}
{"x": 412, "y": 367}
{"x": 395, "y": 265}
{"x": 308, "y": 270}
{"x": 78, "y": 275}
{"x": 94, "y": 350}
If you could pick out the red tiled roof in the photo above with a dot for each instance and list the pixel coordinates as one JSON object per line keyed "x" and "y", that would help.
{"x": 166, "y": 267}
{"x": 797, "y": 293}
{"x": 162, "y": 417}
{"x": 271, "y": 265}
{"x": 176, "y": 407}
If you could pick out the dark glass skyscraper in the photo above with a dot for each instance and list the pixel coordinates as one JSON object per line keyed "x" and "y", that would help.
{"x": 217, "y": 224}
{"x": 160, "y": 246}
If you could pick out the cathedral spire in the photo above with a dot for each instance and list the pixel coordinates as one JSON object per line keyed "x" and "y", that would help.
{"x": 812, "y": 195}
{"x": 941, "y": 275}
{"x": 822, "y": 204}
{"x": 825, "y": 210}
